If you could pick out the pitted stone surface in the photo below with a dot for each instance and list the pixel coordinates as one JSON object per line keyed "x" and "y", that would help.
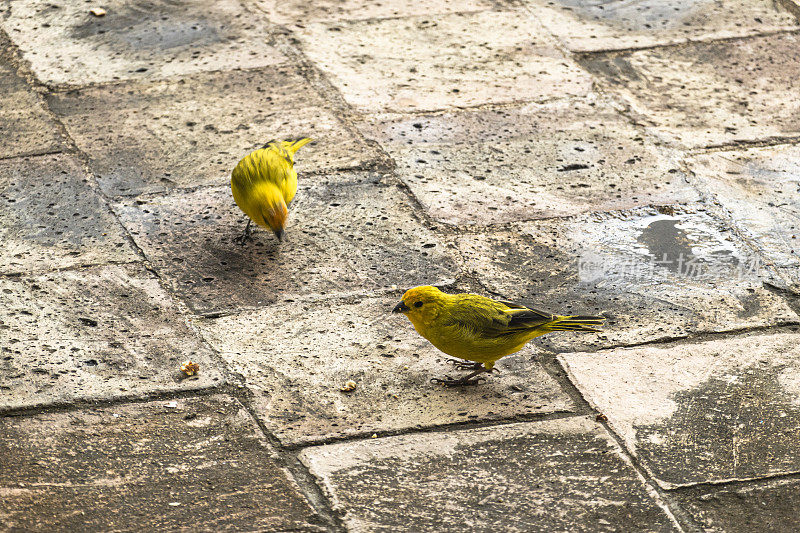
{"x": 592, "y": 25}
{"x": 198, "y": 464}
{"x": 759, "y": 190}
{"x": 710, "y": 93}
{"x": 342, "y": 238}
{"x": 50, "y": 218}
{"x": 535, "y": 161}
{"x": 153, "y": 136}
{"x": 439, "y": 62}
{"x": 301, "y": 12}
{"x": 66, "y": 44}
{"x": 98, "y": 333}
{"x": 655, "y": 274}
{"x": 25, "y": 127}
{"x": 712, "y": 411}
{"x": 298, "y": 356}
{"x": 558, "y": 475}
{"x": 770, "y": 506}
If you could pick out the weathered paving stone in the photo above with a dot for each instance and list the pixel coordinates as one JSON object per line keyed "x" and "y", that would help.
{"x": 443, "y": 61}
{"x": 770, "y": 506}
{"x": 25, "y": 127}
{"x": 50, "y": 218}
{"x": 198, "y": 464}
{"x": 758, "y": 188}
{"x": 93, "y": 334}
{"x": 718, "y": 410}
{"x": 654, "y": 273}
{"x": 591, "y": 25}
{"x": 558, "y": 475}
{"x": 66, "y": 44}
{"x": 710, "y": 93}
{"x": 535, "y": 161}
{"x": 302, "y": 12}
{"x": 152, "y": 136}
{"x": 342, "y": 238}
{"x": 297, "y": 356}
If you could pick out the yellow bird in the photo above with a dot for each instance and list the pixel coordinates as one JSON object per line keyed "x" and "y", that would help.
{"x": 480, "y": 329}
{"x": 264, "y": 183}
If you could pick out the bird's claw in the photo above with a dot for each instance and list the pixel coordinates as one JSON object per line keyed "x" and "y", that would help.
{"x": 448, "y": 382}
{"x": 465, "y": 365}
{"x": 242, "y": 239}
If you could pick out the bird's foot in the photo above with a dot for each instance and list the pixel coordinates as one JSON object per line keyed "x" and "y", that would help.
{"x": 465, "y": 365}
{"x": 466, "y": 380}
{"x": 463, "y": 382}
{"x": 242, "y": 239}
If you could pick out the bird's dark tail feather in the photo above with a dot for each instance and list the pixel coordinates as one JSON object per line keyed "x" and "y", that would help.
{"x": 576, "y": 323}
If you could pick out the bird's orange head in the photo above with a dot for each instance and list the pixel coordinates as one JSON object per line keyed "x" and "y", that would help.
{"x": 421, "y": 304}
{"x": 269, "y": 208}
{"x": 275, "y": 216}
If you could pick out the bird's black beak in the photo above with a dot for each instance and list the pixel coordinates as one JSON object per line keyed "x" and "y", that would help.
{"x": 279, "y": 235}
{"x": 400, "y": 308}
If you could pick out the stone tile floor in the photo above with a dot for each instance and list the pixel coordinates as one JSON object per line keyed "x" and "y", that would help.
{"x": 636, "y": 159}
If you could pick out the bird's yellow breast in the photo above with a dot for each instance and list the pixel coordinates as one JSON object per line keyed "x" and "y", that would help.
{"x": 467, "y": 344}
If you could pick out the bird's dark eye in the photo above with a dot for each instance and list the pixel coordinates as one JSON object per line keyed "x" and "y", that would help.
{"x": 417, "y": 304}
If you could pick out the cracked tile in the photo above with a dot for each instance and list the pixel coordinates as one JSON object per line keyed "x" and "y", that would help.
{"x": 52, "y": 219}
{"x": 710, "y": 94}
{"x": 725, "y": 409}
{"x": 555, "y": 475}
{"x": 441, "y": 61}
{"x": 536, "y": 161}
{"x": 198, "y": 463}
{"x": 758, "y": 189}
{"x": 592, "y": 25}
{"x": 25, "y": 126}
{"x": 66, "y": 44}
{"x": 99, "y": 333}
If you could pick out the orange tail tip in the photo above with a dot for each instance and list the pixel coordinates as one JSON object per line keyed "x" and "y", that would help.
{"x": 299, "y": 144}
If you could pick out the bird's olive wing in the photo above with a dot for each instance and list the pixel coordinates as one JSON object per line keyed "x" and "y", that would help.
{"x": 492, "y": 319}
{"x": 526, "y": 318}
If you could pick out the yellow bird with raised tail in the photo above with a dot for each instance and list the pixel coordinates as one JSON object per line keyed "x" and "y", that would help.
{"x": 479, "y": 329}
{"x": 264, "y": 183}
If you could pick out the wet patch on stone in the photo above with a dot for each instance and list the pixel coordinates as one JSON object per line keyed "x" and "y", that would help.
{"x": 66, "y": 44}
{"x": 759, "y": 190}
{"x": 767, "y": 506}
{"x": 654, "y": 273}
{"x": 341, "y": 238}
{"x": 725, "y": 409}
{"x": 747, "y": 418}
{"x": 594, "y": 25}
{"x": 52, "y": 219}
{"x": 298, "y": 356}
{"x": 99, "y": 333}
{"x": 535, "y": 161}
{"x": 198, "y": 463}
{"x": 558, "y": 475}
{"x": 442, "y": 61}
{"x": 709, "y": 94}
{"x": 154, "y": 136}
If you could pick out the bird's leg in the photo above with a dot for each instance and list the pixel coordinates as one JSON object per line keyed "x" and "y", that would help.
{"x": 465, "y": 365}
{"x": 466, "y": 380}
{"x": 244, "y": 237}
